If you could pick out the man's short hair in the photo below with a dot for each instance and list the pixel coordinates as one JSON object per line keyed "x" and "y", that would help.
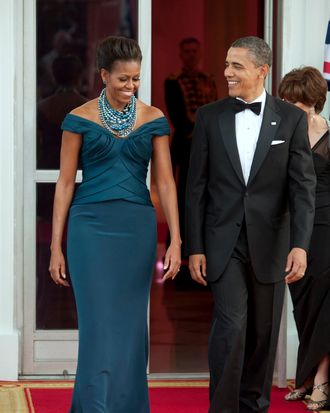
{"x": 260, "y": 51}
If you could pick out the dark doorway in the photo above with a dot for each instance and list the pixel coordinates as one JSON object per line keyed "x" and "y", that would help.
{"x": 180, "y": 312}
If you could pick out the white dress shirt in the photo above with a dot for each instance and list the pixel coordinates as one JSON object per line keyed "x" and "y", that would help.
{"x": 248, "y": 126}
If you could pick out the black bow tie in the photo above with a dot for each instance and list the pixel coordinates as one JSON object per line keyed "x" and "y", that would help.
{"x": 239, "y": 106}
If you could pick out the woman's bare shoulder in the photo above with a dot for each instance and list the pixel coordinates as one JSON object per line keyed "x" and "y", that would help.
{"x": 148, "y": 113}
{"x": 88, "y": 110}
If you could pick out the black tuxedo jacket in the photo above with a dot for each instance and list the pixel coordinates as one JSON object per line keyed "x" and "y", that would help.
{"x": 277, "y": 203}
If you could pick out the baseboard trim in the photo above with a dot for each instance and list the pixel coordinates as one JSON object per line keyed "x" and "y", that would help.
{"x": 9, "y": 356}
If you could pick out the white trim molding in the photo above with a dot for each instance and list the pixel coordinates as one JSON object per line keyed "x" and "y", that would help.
{"x": 8, "y": 332}
{"x": 268, "y": 36}
{"x": 145, "y": 42}
{"x": 144, "y": 39}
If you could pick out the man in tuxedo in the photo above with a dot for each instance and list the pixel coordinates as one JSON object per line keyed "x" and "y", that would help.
{"x": 250, "y": 209}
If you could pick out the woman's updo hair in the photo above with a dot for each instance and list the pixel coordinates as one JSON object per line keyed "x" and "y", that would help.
{"x": 305, "y": 85}
{"x": 114, "y": 48}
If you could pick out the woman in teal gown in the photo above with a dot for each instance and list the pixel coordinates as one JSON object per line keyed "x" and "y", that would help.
{"x": 112, "y": 231}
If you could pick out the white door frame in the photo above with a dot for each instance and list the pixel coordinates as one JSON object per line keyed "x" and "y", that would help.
{"x": 51, "y": 351}
{"x": 55, "y": 351}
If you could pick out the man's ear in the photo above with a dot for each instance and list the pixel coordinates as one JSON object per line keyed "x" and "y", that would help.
{"x": 264, "y": 70}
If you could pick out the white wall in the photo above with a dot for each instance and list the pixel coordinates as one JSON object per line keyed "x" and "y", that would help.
{"x": 8, "y": 332}
{"x": 304, "y": 30}
{"x": 303, "y": 35}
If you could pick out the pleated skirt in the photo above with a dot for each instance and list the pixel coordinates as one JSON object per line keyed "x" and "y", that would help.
{"x": 111, "y": 255}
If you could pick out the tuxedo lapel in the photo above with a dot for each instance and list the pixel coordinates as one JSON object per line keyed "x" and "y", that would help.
{"x": 228, "y": 133}
{"x": 270, "y": 123}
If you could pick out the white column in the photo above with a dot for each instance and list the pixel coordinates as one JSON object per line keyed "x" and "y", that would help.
{"x": 304, "y": 29}
{"x": 144, "y": 39}
{"x": 304, "y": 24}
{"x": 8, "y": 333}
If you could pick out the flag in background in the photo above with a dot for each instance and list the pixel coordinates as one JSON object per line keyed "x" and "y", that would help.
{"x": 326, "y": 66}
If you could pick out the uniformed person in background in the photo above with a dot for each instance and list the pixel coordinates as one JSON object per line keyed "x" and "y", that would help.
{"x": 185, "y": 92}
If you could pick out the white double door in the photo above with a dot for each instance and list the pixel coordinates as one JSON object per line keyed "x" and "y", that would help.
{"x": 50, "y": 337}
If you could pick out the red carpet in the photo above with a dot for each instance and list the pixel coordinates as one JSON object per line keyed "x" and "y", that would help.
{"x": 165, "y": 397}
{"x": 49, "y": 401}
{"x": 173, "y": 400}
{"x": 195, "y": 400}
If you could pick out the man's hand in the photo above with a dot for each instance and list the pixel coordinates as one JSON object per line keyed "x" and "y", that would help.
{"x": 197, "y": 267}
{"x": 296, "y": 265}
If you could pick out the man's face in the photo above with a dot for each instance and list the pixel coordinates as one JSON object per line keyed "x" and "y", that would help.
{"x": 245, "y": 79}
{"x": 190, "y": 55}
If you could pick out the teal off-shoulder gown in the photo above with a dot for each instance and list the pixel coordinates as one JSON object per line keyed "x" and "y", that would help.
{"x": 111, "y": 254}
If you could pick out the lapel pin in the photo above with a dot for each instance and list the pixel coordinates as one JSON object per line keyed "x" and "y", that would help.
{"x": 273, "y": 123}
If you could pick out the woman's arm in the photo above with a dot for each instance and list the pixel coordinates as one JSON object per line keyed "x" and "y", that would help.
{"x": 65, "y": 185}
{"x": 163, "y": 177}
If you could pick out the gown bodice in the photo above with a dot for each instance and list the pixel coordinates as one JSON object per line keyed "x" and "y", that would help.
{"x": 114, "y": 168}
{"x": 321, "y": 158}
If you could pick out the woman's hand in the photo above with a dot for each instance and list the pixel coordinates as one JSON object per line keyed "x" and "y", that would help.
{"x": 163, "y": 178}
{"x": 172, "y": 261}
{"x": 71, "y": 143}
{"x": 57, "y": 268}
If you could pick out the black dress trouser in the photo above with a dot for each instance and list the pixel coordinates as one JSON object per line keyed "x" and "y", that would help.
{"x": 243, "y": 337}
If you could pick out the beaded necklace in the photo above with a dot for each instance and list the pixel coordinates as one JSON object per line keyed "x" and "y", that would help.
{"x": 120, "y": 123}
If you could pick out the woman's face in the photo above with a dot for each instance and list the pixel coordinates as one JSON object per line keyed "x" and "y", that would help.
{"x": 122, "y": 82}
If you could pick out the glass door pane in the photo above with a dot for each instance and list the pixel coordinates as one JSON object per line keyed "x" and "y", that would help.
{"x": 67, "y": 37}
{"x": 55, "y": 307}
{"x": 181, "y": 311}
{"x": 60, "y": 41}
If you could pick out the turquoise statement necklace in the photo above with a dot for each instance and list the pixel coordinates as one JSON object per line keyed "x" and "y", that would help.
{"x": 120, "y": 123}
